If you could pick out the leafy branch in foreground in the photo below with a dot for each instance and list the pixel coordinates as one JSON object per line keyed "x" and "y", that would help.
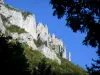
{"x": 83, "y": 16}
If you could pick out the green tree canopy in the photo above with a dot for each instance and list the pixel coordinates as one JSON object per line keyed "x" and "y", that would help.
{"x": 83, "y": 16}
{"x": 12, "y": 59}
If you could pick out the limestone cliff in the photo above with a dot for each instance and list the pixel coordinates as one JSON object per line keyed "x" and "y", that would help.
{"x": 21, "y": 25}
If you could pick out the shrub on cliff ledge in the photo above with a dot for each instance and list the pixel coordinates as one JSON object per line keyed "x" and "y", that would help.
{"x": 24, "y": 13}
{"x": 14, "y": 28}
{"x": 11, "y": 8}
{"x": 38, "y": 42}
{"x": 4, "y": 19}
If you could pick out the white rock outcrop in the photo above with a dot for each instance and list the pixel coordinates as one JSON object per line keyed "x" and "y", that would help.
{"x": 49, "y": 53}
{"x": 16, "y": 18}
{"x": 2, "y": 28}
{"x": 25, "y": 37}
{"x": 51, "y": 45}
{"x": 42, "y": 32}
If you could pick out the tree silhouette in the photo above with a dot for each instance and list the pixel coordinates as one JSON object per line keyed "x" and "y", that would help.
{"x": 83, "y": 16}
{"x": 12, "y": 59}
{"x": 95, "y": 69}
{"x": 42, "y": 69}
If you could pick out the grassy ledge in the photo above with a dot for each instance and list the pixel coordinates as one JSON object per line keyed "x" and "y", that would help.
{"x": 24, "y": 13}
{"x": 14, "y": 28}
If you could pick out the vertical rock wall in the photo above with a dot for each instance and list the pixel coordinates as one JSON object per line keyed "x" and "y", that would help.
{"x": 51, "y": 45}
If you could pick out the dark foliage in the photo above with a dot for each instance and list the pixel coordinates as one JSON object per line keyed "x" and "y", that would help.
{"x": 80, "y": 16}
{"x": 42, "y": 69}
{"x": 95, "y": 69}
{"x": 19, "y": 59}
{"x": 46, "y": 69}
{"x": 14, "y": 28}
{"x": 12, "y": 59}
{"x": 83, "y": 16}
{"x": 38, "y": 42}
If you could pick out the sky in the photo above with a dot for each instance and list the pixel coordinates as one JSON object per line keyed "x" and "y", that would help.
{"x": 80, "y": 54}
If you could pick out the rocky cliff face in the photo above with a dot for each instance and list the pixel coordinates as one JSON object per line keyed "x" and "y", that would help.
{"x": 22, "y": 26}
